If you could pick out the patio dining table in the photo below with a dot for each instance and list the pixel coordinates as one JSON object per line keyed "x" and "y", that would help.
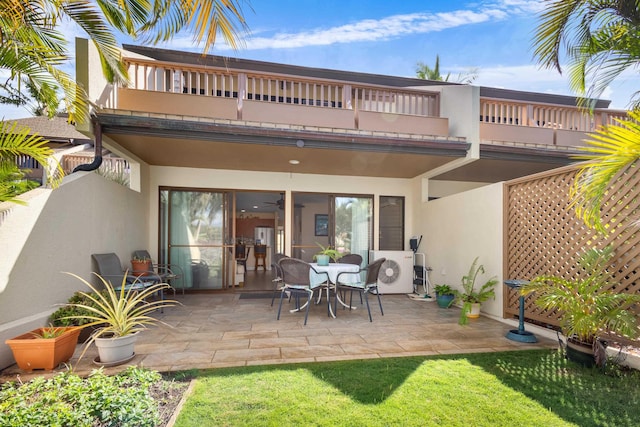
{"x": 332, "y": 270}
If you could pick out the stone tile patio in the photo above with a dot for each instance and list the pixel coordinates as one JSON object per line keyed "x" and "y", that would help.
{"x": 221, "y": 330}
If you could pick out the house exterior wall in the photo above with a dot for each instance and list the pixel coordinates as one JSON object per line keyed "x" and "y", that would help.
{"x": 86, "y": 214}
{"x": 457, "y": 229}
{"x": 513, "y": 133}
{"x": 260, "y": 111}
{"x": 178, "y": 104}
{"x": 403, "y": 123}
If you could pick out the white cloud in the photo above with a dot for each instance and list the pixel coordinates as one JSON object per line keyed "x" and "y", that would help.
{"x": 368, "y": 30}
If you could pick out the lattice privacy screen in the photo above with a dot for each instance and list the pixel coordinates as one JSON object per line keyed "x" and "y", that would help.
{"x": 544, "y": 236}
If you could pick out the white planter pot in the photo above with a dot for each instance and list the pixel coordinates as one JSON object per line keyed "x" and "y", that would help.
{"x": 474, "y": 311}
{"x": 118, "y": 349}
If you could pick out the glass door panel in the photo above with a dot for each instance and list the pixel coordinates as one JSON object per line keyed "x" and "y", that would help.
{"x": 344, "y": 222}
{"x": 193, "y": 227}
{"x": 353, "y": 225}
{"x": 311, "y": 224}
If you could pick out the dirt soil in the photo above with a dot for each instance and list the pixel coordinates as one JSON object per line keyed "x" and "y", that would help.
{"x": 168, "y": 393}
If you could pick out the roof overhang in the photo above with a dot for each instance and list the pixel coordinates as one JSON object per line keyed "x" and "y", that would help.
{"x": 503, "y": 162}
{"x": 223, "y": 144}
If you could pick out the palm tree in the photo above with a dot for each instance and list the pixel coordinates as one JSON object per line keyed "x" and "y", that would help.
{"x": 33, "y": 49}
{"x": 610, "y": 150}
{"x": 423, "y": 71}
{"x": 598, "y": 37}
{"x": 14, "y": 143}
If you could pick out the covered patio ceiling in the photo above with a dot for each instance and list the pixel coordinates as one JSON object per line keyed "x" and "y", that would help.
{"x": 199, "y": 144}
{"x": 209, "y": 144}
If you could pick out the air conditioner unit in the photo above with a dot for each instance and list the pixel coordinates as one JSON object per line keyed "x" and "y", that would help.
{"x": 396, "y": 273}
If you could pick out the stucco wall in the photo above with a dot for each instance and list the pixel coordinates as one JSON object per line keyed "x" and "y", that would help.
{"x": 87, "y": 214}
{"x": 460, "y": 227}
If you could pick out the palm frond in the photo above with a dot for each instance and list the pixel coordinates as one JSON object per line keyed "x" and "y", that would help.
{"x": 608, "y": 151}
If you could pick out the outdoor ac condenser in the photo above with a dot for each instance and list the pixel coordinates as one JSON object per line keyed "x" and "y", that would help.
{"x": 396, "y": 273}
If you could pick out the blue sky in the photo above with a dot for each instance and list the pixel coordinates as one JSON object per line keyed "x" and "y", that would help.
{"x": 386, "y": 37}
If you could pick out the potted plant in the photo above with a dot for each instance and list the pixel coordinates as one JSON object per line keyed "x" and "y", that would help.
{"x": 444, "y": 295}
{"x": 120, "y": 313}
{"x": 44, "y": 348}
{"x": 588, "y": 307}
{"x": 141, "y": 266}
{"x": 70, "y": 315}
{"x": 322, "y": 257}
{"x": 470, "y": 297}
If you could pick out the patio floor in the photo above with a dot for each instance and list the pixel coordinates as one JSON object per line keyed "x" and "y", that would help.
{"x": 221, "y": 330}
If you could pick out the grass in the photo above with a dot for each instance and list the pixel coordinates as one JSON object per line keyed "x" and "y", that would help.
{"x": 525, "y": 388}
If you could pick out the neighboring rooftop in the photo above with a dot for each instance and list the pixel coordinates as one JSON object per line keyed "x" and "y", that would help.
{"x": 56, "y": 129}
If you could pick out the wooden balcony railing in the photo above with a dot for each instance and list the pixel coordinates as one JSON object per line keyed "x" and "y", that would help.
{"x": 234, "y": 94}
{"x": 114, "y": 164}
{"x": 545, "y": 115}
{"x": 281, "y": 89}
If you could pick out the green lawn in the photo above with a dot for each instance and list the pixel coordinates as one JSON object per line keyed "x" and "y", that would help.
{"x": 526, "y": 388}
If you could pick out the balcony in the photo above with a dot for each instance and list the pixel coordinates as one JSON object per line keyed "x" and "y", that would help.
{"x": 540, "y": 124}
{"x": 317, "y": 104}
{"x": 174, "y": 89}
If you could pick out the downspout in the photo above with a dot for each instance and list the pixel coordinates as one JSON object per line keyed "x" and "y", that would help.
{"x": 97, "y": 159}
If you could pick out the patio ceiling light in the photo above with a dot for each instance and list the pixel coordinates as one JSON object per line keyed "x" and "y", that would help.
{"x": 294, "y": 162}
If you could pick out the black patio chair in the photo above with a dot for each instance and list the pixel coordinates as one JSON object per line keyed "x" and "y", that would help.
{"x": 297, "y": 280}
{"x": 277, "y": 279}
{"x": 369, "y": 285}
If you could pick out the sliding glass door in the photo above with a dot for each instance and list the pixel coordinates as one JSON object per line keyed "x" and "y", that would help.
{"x": 194, "y": 234}
{"x": 353, "y": 225}
{"x": 342, "y": 221}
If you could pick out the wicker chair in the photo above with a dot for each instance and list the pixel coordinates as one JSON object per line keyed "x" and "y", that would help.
{"x": 369, "y": 285}
{"x": 297, "y": 280}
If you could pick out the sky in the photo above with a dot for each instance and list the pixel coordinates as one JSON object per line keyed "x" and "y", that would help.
{"x": 391, "y": 37}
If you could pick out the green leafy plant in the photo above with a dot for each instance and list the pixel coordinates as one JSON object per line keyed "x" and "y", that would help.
{"x": 69, "y": 400}
{"x": 443, "y": 290}
{"x": 470, "y": 295}
{"x": 72, "y": 315}
{"x": 121, "y": 312}
{"x": 49, "y": 332}
{"x": 328, "y": 250}
{"x": 587, "y": 305}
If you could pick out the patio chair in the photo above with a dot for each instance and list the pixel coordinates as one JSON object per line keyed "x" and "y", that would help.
{"x": 277, "y": 280}
{"x": 110, "y": 268}
{"x": 354, "y": 259}
{"x": 368, "y": 286}
{"x": 166, "y": 272}
{"x": 299, "y": 278}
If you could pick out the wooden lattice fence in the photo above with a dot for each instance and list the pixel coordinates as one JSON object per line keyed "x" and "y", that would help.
{"x": 544, "y": 236}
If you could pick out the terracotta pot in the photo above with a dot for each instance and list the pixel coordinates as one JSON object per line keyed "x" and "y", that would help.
{"x": 140, "y": 268}
{"x": 32, "y": 352}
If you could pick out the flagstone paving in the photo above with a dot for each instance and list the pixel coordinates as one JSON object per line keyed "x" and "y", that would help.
{"x": 221, "y": 330}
